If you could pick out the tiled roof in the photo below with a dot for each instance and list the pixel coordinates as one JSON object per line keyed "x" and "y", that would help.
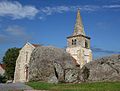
{"x": 35, "y": 45}
{"x": 3, "y": 66}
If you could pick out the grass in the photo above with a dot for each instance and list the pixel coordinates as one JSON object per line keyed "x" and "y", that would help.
{"x": 97, "y": 86}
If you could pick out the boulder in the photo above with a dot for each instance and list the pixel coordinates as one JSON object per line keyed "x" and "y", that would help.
{"x": 103, "y": 69}
{"x": 53, "y": 65}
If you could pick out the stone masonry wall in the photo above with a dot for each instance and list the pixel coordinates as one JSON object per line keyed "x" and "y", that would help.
{"x": 22, "y": 63}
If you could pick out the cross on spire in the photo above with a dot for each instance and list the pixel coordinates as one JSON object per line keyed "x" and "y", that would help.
{"x": 78, "y": 29}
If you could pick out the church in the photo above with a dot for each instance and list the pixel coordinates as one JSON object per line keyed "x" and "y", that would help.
{"x": 78, "y": 46}
{"x": 21, "y": 73}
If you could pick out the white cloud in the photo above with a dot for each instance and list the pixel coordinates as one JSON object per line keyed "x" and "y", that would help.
{"x": 18, "y": 32}
{"x": 14, "y": 34}
{"x": 62, "y": 9}
{"x": 15, "y": 30}
{"x": 41, "y": 17}
{"x": 111, "y": 6}
{"x": 16, "y": 10}
{"x": 88, "y": 8}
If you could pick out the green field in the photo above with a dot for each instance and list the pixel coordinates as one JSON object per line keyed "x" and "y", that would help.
{"x": 97, "y": 86}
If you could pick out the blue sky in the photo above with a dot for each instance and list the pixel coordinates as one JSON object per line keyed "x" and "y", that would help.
{"x": 49, "y": 22}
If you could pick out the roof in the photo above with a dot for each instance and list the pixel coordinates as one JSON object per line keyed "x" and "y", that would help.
{"x": 3, "y": 66}
{"x": 78, "y": 29}
{"x": 79, "y": 36}
{"x": 35, "y": 45}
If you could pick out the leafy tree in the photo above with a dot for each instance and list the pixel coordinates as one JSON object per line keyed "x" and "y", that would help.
{"x": 10, "y": 61}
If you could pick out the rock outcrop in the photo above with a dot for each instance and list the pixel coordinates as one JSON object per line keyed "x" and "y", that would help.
{"x": 103, "y": 69}
{"x": 52, "y": 65}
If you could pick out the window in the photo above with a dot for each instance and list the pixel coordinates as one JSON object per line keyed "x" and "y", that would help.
{"x": 26, "y": 56}
{"x": 26, "y": 72}
{"x": 86, "y": 44}
{"x": 74, "y": 41}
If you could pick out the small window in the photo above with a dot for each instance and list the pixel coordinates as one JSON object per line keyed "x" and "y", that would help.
{"x": 74, "y": 42}
{"x": 86, "y": 44}
{"x": 26, "y": 56}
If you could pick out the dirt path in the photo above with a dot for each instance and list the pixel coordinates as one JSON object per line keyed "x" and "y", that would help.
{"x": 14, "y": 87}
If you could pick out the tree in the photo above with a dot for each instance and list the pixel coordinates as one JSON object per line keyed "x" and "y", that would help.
{"x": 10, "y": 61}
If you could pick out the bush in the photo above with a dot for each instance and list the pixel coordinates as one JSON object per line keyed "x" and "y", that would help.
{"x": 3, "y": 79}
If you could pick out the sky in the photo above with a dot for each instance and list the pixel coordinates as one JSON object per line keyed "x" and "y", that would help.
{"x": 49, "y": 22}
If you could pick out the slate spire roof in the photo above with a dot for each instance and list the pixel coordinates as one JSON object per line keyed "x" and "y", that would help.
{"x": 78, "y": 29}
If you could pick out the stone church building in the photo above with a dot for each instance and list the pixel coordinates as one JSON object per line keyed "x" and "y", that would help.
{"x": 22, "y": 63}
{"x": 78, "y": 44}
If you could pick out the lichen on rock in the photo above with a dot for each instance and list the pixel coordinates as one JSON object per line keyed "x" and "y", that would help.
{"x": 103, "y": 69}
{"x": 52, "y": 65}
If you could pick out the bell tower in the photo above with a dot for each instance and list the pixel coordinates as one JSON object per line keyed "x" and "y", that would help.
{"x": 78, "y": 44}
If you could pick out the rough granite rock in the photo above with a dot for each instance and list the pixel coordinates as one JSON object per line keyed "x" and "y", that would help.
{"x": 103, "y": 69}
{"x": 52, "y": 65}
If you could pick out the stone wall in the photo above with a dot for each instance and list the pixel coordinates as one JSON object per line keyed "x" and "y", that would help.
{"x": 22, "y": 63}
{"x": 80, "y": 41}
{"x": 82, "y": 55}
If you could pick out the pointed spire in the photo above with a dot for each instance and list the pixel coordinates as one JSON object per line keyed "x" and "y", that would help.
{"x": 78, "y": 26}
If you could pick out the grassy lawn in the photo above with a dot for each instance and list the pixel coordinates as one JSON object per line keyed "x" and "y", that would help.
{"x": 98, "y": 86}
